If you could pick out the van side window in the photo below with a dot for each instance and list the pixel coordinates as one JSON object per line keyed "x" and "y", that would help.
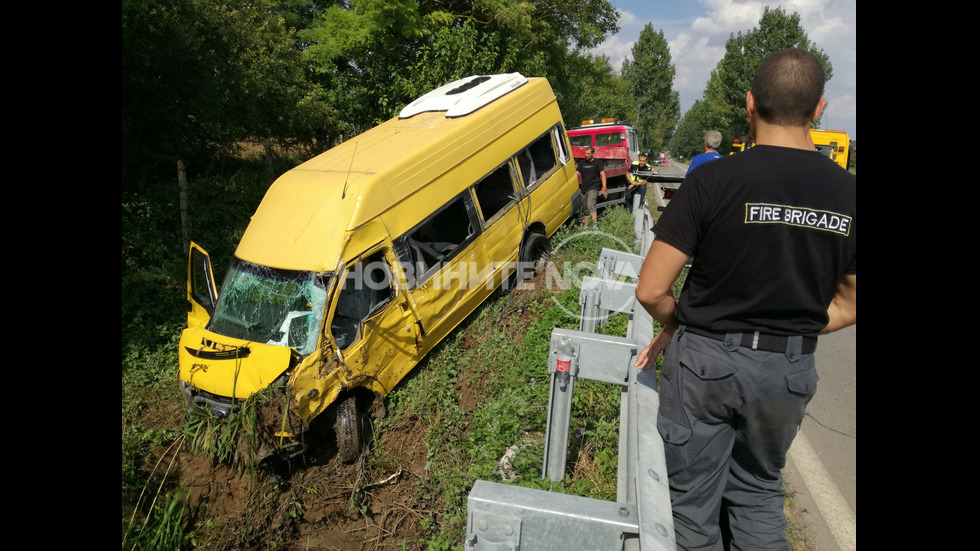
{"x": 436, "y": 240}
{"x": 495, "y": 191}
{"x": 367, "y": 288}
{"x": 536, "y": 160}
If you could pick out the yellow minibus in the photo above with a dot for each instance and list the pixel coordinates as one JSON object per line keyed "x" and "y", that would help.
{"x": 834, "y": 144}
{"x": 359, "y": 261}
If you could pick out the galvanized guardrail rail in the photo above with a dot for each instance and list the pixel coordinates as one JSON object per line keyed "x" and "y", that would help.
{"x": 513, "y": 518}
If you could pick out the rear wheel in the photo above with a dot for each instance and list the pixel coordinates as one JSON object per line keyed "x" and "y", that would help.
{"x": 536, "y": 247}
{"x": 349, "y": 428}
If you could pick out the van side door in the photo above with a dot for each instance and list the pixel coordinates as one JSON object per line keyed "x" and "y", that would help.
{"x": 438, "y": 257}
{"x": 373, "y": 324}
{"x": 497, "y": 202}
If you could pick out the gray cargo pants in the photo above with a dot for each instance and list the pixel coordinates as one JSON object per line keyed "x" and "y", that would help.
{"x": 728, "y": 415}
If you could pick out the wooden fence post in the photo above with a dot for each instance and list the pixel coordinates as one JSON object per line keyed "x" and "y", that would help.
{"x": 184, "y": 222}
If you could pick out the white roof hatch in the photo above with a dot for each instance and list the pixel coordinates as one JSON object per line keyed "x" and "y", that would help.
{"x": 465, "y": 95}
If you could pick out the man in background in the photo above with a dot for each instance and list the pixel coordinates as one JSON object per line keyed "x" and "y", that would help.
{"x": 593, "y": 181}
{"x": 636, "y": 185}
{"x": 712, "y": 139}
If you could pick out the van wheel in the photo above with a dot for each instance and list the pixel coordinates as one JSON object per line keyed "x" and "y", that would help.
{"x": 349, "y": 428}
{"x": 536, "y": 247}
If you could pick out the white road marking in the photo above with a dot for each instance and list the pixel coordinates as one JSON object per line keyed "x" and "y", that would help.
{"x": 829, "y": 499}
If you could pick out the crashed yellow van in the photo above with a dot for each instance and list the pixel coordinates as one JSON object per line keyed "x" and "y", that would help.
{"x": 359, "y": 261}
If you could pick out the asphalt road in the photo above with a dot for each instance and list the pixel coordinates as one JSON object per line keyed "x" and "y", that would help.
{"x": 821, "y": 472}
{"x": 822, "y": 467}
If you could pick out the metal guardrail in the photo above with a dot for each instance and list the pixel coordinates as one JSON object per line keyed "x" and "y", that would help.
{"x": 508, "y": 517}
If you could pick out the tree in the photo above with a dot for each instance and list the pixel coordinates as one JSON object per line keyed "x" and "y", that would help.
{"x": 202, "y": 75}
{"x": 744, "y": 53}
{"x": 709, "y": 113}
{"x": 594, "y": 92}
{"x": 651, "y": 77}
{"x": 375, "y": 56}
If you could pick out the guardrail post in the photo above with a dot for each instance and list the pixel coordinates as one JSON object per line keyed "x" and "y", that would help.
{"x": 509, "y": 517}
{"x": 559, "y": 412}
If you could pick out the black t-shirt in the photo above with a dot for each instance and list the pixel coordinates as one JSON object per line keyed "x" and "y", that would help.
{"x": 771, "y": 230}
{"x": 590, "y": 174}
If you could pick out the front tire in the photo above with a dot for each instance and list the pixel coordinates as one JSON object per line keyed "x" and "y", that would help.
{"x": 349, "y": 428}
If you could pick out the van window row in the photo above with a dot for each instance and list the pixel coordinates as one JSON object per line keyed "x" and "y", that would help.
{"x": 437, "y": 239}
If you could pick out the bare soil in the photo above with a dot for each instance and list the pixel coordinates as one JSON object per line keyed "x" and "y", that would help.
{"x": 316, "y": 502}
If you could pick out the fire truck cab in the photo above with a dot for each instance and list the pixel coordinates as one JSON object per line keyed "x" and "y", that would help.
{"x": 616, "y": 144}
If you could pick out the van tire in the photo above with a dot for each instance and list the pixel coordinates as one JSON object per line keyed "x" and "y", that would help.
{"x": 536, "y": 247}
{"x": 349, "y": 428}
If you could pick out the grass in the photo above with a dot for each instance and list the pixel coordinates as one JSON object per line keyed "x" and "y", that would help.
{"x": 480, "y": 395}
{"x": 512, "y": 380}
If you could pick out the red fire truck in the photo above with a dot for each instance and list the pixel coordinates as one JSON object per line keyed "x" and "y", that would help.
{"x": 616, "y": 143}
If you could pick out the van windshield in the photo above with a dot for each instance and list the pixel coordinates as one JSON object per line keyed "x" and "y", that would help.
{"x": 271, "y": 306}
{"x": 827, "y": 150}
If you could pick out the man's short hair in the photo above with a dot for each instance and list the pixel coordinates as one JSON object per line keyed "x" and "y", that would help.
{"x": 712, "y": 138}
{"x": 590, "y": 148}
{"x": 787, "y": 87}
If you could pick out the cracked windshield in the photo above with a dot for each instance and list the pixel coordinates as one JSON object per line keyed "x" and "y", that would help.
{"x": 271, "y": 306}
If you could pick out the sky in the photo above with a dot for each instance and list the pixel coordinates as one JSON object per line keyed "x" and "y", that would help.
{"x": 697, "y": 30}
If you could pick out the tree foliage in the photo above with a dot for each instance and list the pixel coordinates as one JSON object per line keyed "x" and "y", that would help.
{"x": 376, "y": 56}
{"x": 709, "y": 113}
{"x": 723, "y": 105}
{"x": 651, "y": 78}
{"x": 593, "y": 91}
{"x": 199, "y": 76}
{"x": 745, "y": 52}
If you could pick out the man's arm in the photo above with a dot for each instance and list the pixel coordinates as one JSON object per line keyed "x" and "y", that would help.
{"x": 602, "y": 176}
{"x": 843, "y": 307}
{"x": 634, "y": 180}
{"x": 660, "y": 269}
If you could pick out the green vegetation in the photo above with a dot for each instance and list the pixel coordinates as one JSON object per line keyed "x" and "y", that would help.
{"x": 239, "y": 92}
{"x": 722, "y": 106}
{"x": 497, "y": 358}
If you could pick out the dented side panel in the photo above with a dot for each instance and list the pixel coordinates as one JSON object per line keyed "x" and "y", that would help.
{"x": 372, "y": 324}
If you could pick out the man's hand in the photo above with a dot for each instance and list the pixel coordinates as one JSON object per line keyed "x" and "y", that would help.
{"x": 647, "y": 357}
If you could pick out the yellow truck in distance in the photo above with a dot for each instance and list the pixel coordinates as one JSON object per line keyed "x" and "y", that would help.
{"x": 359, "y": 261}
{"x": 835, "y": 144}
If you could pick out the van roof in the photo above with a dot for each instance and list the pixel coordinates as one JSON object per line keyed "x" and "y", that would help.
{"x": 302, "y": 221}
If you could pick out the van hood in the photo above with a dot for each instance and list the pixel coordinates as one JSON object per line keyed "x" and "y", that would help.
{"x": 229, "y": 367}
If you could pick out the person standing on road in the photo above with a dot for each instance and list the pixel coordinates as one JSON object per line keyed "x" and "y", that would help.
{"x": 592, "y": 182}
{"x": 773, "y": 235}
{"x": 712, "y": 139}
{"x": 637, "y": 185}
